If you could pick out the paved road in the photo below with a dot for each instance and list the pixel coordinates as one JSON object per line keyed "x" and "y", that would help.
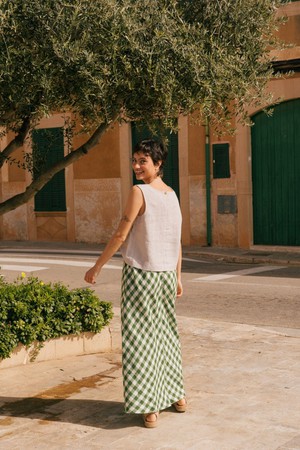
{"x": 242, "y": 380}
{"x": 262, "y": 295}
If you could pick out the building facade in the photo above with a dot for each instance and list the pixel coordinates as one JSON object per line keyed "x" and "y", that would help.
{"x": 235, "y": 191}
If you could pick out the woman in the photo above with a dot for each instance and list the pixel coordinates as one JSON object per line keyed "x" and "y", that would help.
{"x": 149, "y": 236}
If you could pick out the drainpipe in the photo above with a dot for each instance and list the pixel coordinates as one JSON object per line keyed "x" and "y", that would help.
{"x": 208, "y": 186}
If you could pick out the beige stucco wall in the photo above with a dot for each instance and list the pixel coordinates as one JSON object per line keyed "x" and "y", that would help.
{"x": 15, "y": 222}
{"x": 197, "y": 203}
{"x": 197, "y": 180}
{"x": 97, "y": 208}
{"x": 224, "y": 225}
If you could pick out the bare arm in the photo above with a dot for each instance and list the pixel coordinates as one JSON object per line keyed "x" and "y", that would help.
{"x": 178, "y": 271}
{"x": 134, "y": 205}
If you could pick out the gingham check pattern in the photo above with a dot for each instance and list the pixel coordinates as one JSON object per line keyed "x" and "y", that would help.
{"x": 152, "y": 368}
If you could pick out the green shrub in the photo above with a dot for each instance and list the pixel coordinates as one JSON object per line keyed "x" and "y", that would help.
{"x": 31, "y": 310}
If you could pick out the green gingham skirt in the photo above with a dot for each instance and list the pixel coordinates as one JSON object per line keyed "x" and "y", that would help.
{"x": 151, "y": 354}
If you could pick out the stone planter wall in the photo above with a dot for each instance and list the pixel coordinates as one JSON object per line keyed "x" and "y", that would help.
{"x": 74, "y": 345}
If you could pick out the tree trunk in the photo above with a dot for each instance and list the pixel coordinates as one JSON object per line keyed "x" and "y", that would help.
{"x": 16, "y": 143}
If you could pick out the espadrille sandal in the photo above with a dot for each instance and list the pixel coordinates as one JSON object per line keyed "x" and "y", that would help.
{"x": 180, "y": 408}
{"x": 148, "y": 423}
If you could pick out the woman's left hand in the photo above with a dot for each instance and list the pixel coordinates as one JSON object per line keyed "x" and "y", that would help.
{"x": 179, "y": 289}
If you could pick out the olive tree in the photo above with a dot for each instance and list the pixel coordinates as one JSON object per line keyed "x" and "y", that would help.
{"x": 105, "y": 61}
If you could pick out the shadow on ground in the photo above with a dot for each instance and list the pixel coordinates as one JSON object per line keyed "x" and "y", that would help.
{"x": 93, "y": 413}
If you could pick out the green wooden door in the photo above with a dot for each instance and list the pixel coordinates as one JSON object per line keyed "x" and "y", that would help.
{"x": 48, "y": 148}
{"x": 171, "y": 172}
{"x": 276, "y": 175}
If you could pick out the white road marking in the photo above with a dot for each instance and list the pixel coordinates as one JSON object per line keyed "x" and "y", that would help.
{"x": 196, "y": 260}
{"x": 67, "y": 262}
{"x": 61, "y": 262}
{"x": 22, "y": 268}
{"x": 237, "y": 273}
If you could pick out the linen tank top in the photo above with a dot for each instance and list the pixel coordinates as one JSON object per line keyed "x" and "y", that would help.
{"x": 154, "y": 240}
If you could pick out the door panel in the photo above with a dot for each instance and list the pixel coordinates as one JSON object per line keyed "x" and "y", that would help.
{"x": 276, "y": 175}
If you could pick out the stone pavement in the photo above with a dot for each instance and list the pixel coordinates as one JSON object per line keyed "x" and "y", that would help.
{"x": 242, "y": 384}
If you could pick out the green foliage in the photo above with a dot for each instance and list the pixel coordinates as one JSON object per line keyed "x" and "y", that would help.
{"x": 31, "y": 310}
{"x": 105, "y": 61}
{"x": 127, "y": 59}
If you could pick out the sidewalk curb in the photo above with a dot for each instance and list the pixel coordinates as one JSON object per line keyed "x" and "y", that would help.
{"x": 242, "y": 259}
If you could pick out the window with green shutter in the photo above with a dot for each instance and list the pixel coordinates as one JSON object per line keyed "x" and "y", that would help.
{"x": 221, "y": 164}
{"x": 47, "y": 149}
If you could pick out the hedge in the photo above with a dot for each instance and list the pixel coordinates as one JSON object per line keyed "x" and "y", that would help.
{"x": 31, "y": 310}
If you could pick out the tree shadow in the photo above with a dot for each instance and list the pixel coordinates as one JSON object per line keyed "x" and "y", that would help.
{"x": 92, "y": 413}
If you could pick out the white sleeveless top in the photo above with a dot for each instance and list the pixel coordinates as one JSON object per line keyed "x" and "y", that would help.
{"x": 154, "y": 240}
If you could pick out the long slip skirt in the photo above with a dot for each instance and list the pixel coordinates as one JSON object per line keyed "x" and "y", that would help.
{"x": 151, "y": 354}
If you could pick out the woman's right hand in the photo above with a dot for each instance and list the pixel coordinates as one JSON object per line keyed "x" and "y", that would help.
{"x": 91, "y": 275}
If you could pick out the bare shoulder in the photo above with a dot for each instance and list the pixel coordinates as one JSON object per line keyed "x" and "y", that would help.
{"x": 136, "y": 189}
{"x": 136, "y": 195}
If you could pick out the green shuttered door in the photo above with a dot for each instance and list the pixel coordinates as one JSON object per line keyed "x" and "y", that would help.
{"x": 276, "y": 175}
{"x": 48, "y": 148}
{"x": 171, "y": 174}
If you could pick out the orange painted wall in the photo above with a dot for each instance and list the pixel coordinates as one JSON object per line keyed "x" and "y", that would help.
{"x": 14, "y": 172}
{"x": 196, "y": 148}
{"x": 290, "y": 31}
{"x": 103, "y": 161}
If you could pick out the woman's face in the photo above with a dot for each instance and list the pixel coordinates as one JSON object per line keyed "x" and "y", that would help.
{"x": 144, "y": 167}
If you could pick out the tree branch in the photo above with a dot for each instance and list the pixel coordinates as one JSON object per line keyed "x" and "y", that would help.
{"x": 41, "y": 180}
{"x": 16, "y": 143}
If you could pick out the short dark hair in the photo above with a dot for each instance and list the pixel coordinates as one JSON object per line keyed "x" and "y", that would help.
{"x": 155, "y": 149}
